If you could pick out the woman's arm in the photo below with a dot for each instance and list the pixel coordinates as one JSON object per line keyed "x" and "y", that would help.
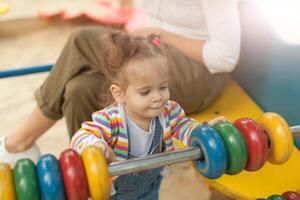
{"x": 220, "y": 51}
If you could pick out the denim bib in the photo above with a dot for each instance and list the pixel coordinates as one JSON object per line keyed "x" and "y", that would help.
{"x": 141, "y": 185}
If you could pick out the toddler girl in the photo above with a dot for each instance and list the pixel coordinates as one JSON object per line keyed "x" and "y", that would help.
{"x": 141, "y": 119}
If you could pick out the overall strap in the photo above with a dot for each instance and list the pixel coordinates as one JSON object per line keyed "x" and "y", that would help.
{"x": 156, "y": 146}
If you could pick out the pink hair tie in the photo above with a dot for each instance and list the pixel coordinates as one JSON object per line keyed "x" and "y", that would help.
{"x": 156, "y": 40}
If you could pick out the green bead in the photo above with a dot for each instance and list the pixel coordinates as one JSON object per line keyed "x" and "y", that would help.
{"x": 237, "y": 153}
{"x": 276, "y": 197}
{"x": 26, "y": 181}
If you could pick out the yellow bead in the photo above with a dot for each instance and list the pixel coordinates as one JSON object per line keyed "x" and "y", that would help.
{"x": 97, "y": 173}
{"x": 281, "y": 139}
{"x": 7, "y": 190}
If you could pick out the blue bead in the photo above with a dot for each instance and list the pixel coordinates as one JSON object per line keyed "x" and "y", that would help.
{"x": 50, "y": 178}
{"x": 214, "y": 162}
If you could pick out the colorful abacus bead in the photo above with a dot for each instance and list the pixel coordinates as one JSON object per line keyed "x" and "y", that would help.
{"x": 275, "y": 197}
{"x": 50, "y": 179}
{"x": 214, "y": 161}
{"x": 26, "y": 180}
{"x": 74, "y": 176}
{"x": 97, "y": 173}
{"x": 289, "y": 195}
{"x": 256, "y": 141}
{"x": 280, "y": 136}
{"x": 7, "y": 189}
{"x": 235, "y": 146}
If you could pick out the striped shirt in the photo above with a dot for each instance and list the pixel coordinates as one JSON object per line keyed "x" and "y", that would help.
{"x": 109, "y": 126}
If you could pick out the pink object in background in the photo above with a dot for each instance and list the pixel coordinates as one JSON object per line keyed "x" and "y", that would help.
{"x": 104, "y": 12}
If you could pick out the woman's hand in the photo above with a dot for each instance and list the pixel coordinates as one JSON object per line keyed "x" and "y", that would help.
{"x": 107, "y": 151}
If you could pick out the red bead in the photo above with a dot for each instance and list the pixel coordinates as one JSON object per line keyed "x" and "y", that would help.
{"x": 74, "y": 176}
{"x": 289, "y": 195}
{"x": 256, "y": 142}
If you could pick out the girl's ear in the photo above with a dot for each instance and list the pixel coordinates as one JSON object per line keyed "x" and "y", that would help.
{"x": 117, "y": 93}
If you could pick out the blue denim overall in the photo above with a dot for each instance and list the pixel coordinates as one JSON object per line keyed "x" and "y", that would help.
{"x": 141, "y": 185}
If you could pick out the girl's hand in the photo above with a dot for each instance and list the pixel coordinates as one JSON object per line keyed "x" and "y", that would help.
{"x": 107, "y": 151}
{"x": 215, "y": 120}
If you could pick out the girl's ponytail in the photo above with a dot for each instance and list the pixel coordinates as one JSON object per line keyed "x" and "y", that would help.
{"x": 118, "y": 49}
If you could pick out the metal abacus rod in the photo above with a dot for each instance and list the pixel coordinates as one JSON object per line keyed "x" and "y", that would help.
{"x": 167, "y": 158}
{"x": 154, "y": 161}
{"x": 295, "y": 131}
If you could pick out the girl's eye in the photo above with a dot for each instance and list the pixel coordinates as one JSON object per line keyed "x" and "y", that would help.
{"x": 164, "y": 87}
{"x": 144, "y": 93}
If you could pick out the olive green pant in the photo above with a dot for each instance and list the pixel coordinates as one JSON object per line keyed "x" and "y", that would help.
{"x": 73, "y": 88}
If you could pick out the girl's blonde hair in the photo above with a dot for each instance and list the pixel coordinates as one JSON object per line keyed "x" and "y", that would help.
{"x": 120, "y": 50}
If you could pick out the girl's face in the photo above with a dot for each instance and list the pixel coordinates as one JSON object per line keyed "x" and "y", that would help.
{"x": 147, "y": 91}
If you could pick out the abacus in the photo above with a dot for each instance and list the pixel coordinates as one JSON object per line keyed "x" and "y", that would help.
{"x": 225, "y": 148}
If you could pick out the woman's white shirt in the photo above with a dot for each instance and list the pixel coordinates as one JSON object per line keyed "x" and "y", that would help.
{"x": 215, "y": 21}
